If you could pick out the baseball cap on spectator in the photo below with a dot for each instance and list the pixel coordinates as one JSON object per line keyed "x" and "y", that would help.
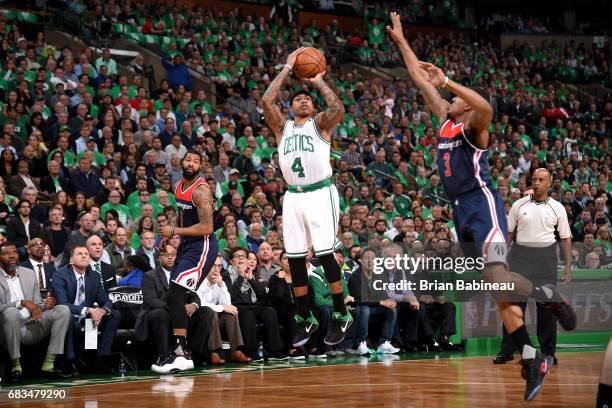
{"x": 90, "y": 139}
{"x": 515, "y": 190}
{"x": 88, "y": 117}
{"x": 64, "y": 129}
{"x": 234, "y": 171}
{"x": 370, "y": 173}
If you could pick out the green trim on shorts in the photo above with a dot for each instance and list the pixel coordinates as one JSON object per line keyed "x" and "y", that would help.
{"x": 296, "y": 254}
{"x": 325, "y": 252}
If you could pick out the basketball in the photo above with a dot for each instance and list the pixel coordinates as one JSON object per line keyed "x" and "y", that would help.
{"x": 309, "y": 63}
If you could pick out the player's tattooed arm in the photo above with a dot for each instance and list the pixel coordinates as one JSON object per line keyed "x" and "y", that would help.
{"x": 272, "y": 114}
{"x": 434, "y": 101}
{"x": 328, "y": 119}
{"x": 203, "y": 199}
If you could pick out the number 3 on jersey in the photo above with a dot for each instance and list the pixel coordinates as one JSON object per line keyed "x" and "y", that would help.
{"x": 297, "y": 167}
{"x": 447, "y": 168}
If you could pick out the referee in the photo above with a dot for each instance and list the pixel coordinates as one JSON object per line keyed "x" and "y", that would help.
{"x": 534, "y": 222}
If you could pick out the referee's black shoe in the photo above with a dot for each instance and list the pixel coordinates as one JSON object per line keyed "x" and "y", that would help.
{"x": 534, "y": 370}
{"x": 558, "y": 304}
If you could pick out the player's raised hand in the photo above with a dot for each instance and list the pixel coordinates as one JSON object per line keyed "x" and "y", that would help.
{"x": 293, "y": 56}
{"x": 437, "y": 77}
{"x": 315, "y": 79}
{"x": 395, "y": 30}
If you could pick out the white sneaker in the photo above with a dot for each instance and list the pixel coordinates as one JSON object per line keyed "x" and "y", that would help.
{"x": 170, "y": 364}
{"x": 184, "y": 363}
{"x": 362, "y": 350}
{"x": 387, "y": 348}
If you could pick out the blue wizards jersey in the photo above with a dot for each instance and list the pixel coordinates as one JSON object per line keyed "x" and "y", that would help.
{"x": 188, "y": 212}
{"x": 462, "y": 167}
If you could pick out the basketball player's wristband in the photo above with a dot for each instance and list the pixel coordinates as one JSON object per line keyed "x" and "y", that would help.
{"x": 445, "y": 82}
{"x": 288, "y": 66}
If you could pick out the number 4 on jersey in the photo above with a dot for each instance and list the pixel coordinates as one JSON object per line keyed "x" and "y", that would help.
{"x": 297, "y": 167}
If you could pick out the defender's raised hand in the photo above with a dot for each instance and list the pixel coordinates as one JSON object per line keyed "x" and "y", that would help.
{"x": 395, "y": 31}
{"x": 435, "y": 75}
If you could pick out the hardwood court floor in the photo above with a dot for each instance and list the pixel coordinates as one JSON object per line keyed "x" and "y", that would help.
{"x": 445, "y": 382}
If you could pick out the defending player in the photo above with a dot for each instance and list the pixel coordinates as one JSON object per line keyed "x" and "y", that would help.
{"x": 479, "y": 211}
{"x": 195, "y": 256}
{"x": 311, "y": 205}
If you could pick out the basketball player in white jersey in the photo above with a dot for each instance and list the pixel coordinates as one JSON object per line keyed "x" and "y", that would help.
{"x": 311, "y": 206}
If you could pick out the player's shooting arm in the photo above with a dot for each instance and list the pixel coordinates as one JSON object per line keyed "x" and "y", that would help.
{"x": 202, "y": 198}
{"x": 432, "y": 97}
{"x": 272, "y": 114}
{"x": 328, "y": 119}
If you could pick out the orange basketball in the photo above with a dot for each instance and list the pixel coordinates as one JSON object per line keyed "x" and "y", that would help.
{"x": 309, "y": 63}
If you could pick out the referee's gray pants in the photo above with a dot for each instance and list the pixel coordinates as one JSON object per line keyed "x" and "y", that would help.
{"x": 539, "y": 265}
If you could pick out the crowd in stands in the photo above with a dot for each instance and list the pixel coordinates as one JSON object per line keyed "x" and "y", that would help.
{"x": 89, "y": 158}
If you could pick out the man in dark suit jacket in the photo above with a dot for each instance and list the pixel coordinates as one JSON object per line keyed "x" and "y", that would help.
{"x": 154, "y": 320}
{"x": 15, "y": 227}
{"x": 53, "y": 182}
{"x": 16, "y": 184}
{"x": 95, "y": 246}
{"x": 44, "y": 271}
{"x": 78, "y": 287}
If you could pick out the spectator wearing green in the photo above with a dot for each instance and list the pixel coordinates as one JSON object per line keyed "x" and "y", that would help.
{"x": 145, "y": 224}
{"x": 162, "y": 199}
{"x": 137, "y": 210}
{"x": 226, "y": 231}
{"x": 376, "y": 32}
{"x": 114, "y": 203}
{"x": 389, "y": 212}
{"x": 201, "y": 99}
{"x": 133, "y": 198}
{"x": 401, "y": 202}
{"x": 97, "y": 158}
{"x": 234, "y": 184}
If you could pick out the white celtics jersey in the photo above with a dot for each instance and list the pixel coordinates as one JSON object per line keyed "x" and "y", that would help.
{"x": 304, "y": 154}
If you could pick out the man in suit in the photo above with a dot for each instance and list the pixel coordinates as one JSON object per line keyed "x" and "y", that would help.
{"x": 25, "y": 318}
{"x": 78, "y": 287}
{"x": 21, "y": 229}
{"x": 53, "y": 182}
{"x": 154, "y": 321}
{"x": 21, "y": 180}
{"x": 105, "y": 271}
{"x": 44, "y": 271}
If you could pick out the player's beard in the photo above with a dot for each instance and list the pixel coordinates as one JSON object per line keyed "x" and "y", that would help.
{"x": 189, "y": 174}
